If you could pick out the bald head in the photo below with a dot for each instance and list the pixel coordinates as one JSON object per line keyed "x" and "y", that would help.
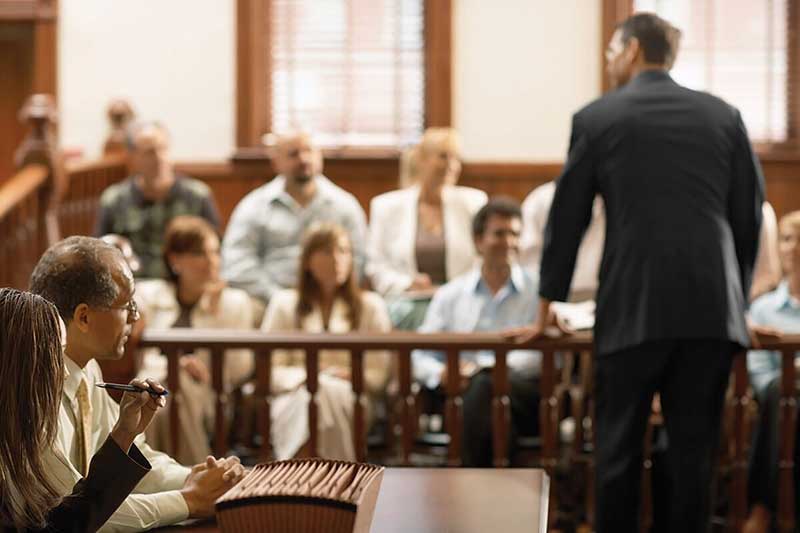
{"x": 296, "y": 158}
{"x": 80, "y": 270}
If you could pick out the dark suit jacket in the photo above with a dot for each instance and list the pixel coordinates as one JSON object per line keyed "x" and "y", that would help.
{"x": 683, "y": 193}
{"x": 112, "y": 476}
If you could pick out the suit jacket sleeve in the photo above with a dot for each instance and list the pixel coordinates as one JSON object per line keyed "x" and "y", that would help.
{"x": 112, "y": 476}
{"x": 570, "y": 214}
{"x": 745, "y": 199}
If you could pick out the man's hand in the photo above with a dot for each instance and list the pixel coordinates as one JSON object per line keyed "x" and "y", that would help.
{"x": 208, "y": 481}
{"x": 467, "y": 369}
{"x": 547, "y": 324}
{"x": 136, "y": 411}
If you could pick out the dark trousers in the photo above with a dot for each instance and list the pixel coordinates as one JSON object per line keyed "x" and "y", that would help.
{"x": 765, "y": 458}
{"x": 691, "y": 376}
{"x": 477, "y": 449}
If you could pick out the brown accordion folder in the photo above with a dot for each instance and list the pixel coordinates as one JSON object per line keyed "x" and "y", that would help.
{"x": 302, "y": 496}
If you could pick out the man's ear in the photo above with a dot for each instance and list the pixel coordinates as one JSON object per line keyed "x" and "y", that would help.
{"x": 633, "y": 50}
{"x": 81, "y": 317}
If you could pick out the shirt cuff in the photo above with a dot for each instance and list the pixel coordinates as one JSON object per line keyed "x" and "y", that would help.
{"x": 172, "y": 507}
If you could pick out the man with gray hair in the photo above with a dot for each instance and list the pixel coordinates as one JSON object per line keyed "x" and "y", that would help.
{"x": 140, "y": 207}
{"x": 261, "y": 249}
{"x": 92, "y": 286}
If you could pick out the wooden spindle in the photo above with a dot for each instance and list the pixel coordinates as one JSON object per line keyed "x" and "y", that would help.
{"x": 263, "y": 401}
{"x": 408, "y": 423}
{"x": 738, "y": 451}
{"x": 788, "y": 421}
{"x": 221, "y": 403}
{"x": 454, "y": 408}
{"x": 312, "y": 385}
{"x": 548, "y": 422}
{"x": 175, "y": 396}
{"x": 501, "y": 409}
{"x": 359, "y": 404}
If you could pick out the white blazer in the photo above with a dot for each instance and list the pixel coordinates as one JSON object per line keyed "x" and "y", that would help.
{"x": 391, "y": 244}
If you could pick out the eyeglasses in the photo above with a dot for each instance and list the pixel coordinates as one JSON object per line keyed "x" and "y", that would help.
{"x": 130, "y": 307}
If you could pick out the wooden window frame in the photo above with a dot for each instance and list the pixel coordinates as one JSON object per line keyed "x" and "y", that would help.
{"x": 615, "y": 11}
{"x": 253, "y": 103}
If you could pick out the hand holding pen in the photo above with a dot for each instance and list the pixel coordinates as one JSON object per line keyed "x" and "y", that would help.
{"x": 136, "y": 409}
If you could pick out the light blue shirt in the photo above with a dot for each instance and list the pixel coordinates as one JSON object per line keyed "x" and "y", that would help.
{"x": 262, "y": 245}
{"x": 466, "y": 305}
{"x": 780, "y": 310}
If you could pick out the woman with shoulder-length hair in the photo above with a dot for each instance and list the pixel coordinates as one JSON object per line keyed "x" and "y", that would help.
{"x": 420, "y": 236}
{"x": 327, "y": 299}
{"x": 194, "y": 296}
{"x": 32, "y": 372}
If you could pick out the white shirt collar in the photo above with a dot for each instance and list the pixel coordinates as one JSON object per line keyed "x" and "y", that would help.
{"x": 74, "y": 375}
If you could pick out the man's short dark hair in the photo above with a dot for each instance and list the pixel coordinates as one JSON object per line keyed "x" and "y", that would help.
{"x": 500, "y": 206}
{"x": 658, "y": 38}
{"x": 75, "y": 271}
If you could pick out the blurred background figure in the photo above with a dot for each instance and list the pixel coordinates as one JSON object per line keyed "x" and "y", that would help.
{"x": 419, "y": 237}
{"x": 327, "y": 299}
{"x": 193, "y": 296}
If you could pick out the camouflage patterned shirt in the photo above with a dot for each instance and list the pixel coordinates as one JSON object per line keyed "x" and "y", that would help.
{"x": 125, "y": 211}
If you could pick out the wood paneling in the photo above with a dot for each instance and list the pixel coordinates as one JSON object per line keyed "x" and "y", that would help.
{"x": 16, "y": 84}
{"x": 367, "y": 177}
{"x": 614, "y": 12}
{"x": 438, "y": 62}
{"x": 252, "y": 72}
{"x": 27, "y": 65}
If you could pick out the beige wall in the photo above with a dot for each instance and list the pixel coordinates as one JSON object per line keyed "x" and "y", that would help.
{"x": 521, "y": 68}
{"x": 174, "y": 60}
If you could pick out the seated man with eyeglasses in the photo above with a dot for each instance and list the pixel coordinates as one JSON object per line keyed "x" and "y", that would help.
{"x": 92, "y": 286}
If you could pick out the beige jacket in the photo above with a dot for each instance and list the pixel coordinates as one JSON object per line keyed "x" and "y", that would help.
{"x": 158, "y": 303}
{"x": 280, "y": 316}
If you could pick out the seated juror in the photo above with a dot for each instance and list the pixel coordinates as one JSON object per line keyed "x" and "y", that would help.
{"x": 92, "y": 287}
{"x": 419, "y": 236}
{"x": 31, "y": 341}
{"x": 327, "y": 299}
{"x": 263, "y": 239}
{"x": 493, "y": 296}
{"x": 140, "y": 207}
{"x": 194, "y": 297}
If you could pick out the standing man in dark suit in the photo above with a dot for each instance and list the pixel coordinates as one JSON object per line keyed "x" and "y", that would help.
{"x": 683, "y": 192}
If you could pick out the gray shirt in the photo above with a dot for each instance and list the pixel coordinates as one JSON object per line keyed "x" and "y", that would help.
{"x": 262, "y": 244}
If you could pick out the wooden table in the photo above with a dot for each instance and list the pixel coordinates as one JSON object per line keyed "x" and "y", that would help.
{"x": 452, "y": 500}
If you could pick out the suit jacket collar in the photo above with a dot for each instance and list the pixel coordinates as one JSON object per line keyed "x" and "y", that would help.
{"x": 647, "y": 77}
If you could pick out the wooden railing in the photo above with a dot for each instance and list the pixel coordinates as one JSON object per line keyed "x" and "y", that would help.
{"x": 24, "y": 214}
{"x": 175, "y": 342}
{"x": 86, "y": 181}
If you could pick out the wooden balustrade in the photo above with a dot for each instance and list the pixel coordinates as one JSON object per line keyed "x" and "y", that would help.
{"x": 24, "y": 204}
{"x": 177, "y": 341}
{"x": 86, "y": 181}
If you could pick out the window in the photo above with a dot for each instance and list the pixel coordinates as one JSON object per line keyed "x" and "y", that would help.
{"x": 738, "y": 50}
{"x": 350, "y": 71}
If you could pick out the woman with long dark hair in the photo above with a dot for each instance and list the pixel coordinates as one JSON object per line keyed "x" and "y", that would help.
{"x": 327, "y": 299}
{"x": 32, "y": 372}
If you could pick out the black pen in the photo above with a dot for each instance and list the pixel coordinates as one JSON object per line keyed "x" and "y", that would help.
{"x": 130, "y": 388}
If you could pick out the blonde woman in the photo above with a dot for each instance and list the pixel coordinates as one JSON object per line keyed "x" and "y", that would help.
{"x": 193, "y": 297}
{"x": 327, "y": 299}
{"x": 419, "y": 237}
